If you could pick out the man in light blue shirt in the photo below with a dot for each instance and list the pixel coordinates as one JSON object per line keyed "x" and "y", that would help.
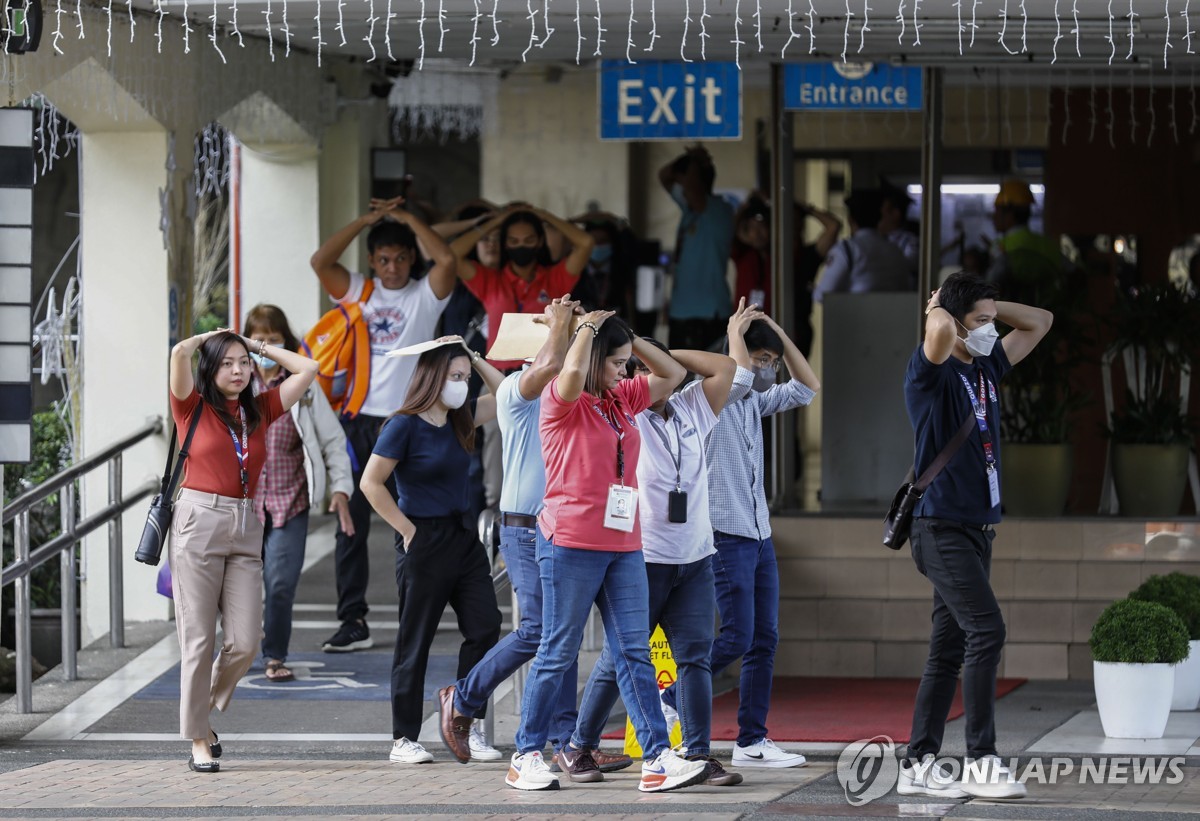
{"x": 518, "y": 402}
{"x": 866, "y": 260}
{"x": 700, "y": 293}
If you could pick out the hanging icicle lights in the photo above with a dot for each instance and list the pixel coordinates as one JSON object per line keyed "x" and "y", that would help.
{"x": 400, "y": 30}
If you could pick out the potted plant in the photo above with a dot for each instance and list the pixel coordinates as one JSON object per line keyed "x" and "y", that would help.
{"x": 1134, "y": 646}
{"x": 1039, "y": 397}
{"x": 1181, "y": 593}
{"x": 1152, "y": 434}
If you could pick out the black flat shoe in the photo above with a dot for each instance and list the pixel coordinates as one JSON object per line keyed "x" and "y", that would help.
{"x": 206, "y": 767}
{"x": 214, "y": 749}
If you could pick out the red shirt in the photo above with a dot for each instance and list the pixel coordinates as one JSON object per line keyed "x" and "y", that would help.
{"x": 580, "y": 450}
{"x": 212, "y": 463}
{"x": 753, "y": 274}
{"x": 503, "y": 292}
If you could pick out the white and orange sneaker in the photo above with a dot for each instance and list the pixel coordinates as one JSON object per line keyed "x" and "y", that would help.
{"x": 528, "y": 771}
{"x": 670, "y": 771}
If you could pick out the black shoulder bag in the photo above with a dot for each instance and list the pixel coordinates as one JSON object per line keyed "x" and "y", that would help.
{"x": 158, "y": 521}
{"x": 898, "y": 522}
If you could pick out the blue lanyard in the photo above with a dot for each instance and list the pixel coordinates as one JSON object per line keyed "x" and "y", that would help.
{"x": 979, "y": 406}
{"x": 242, "y": 449}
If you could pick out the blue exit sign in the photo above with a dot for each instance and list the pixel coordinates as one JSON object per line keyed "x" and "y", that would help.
{"x": 670, "y": 101}
{"x": 852, "y": 87}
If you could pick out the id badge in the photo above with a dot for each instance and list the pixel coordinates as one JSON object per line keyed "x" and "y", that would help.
{"x": 994, "y": 486}
{"x": 757, "y": 297}
{"x": 621, "y": 508}
{"x": 677, "y": 503}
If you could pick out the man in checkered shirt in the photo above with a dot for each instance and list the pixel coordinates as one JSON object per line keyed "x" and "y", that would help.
{"x": 747, "y": 576}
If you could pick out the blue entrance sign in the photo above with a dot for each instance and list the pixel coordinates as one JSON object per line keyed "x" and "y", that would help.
{"x": 670, "y": 101}
{"x": 852, "y": 87}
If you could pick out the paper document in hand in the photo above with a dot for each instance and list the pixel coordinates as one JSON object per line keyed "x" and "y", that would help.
{"x": 422, "y": 347}
{"x": 520, "y": 337}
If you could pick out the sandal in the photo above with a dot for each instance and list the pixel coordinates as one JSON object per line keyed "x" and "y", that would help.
{"x": 277, "y": 672}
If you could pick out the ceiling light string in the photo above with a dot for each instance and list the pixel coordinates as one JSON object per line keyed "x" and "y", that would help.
{"x": 372, "y": 19}
{"x": 442, "y": 29}
{"x": 1075, "y": 31}
{"x": 901, "y": 20}
{"x": 600, "y": 29}
{"x": 108, "y": 32}
{"x": 811, "y": 26}
{"x": 421, "y": 38}
{"x": 1167, "y": 36}
{"x": 1057, "y": 35}
{"x": 758, "y": 24}
{"x": 629, "y": 37}
{"x": 212, "y": 37}
{"x": 846, "y": 31}
{"x": 59, "y": 11}
{"x": 866, "y": 26}
{"x": 548, "y": 30}
{"x": 475, "y": 38}
{"x": 792, "y": 34}
{"x": 737, "y": 41}
{"x": 703, "y": 27}
{"x": 1004, "y": 29}
{"x": 132, "y": 21}
{"x": 917, "y": 25}
{"x": 687, "y": 19}
{"x": 340, "y": 28}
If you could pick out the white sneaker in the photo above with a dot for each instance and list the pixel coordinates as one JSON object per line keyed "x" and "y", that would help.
{"x": 670, "y": 771}
{"x": 480, "y": 749}
{"x": 987, "y": 777}
{"x": 409, "y": 752}
{"x": 669, "y": 713}
{"x": 765, "y": 754}
{"x": 927, "y": 778}
{"x": 529, "y": 772}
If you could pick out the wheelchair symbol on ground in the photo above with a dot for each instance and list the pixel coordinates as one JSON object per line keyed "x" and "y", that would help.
{"x": 309, "y": 676}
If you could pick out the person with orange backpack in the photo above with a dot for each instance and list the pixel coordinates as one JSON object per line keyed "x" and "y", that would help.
{"x": 375, "y": 314}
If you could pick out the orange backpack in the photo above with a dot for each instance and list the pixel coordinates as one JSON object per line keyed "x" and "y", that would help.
{"x": 341, "y": 345}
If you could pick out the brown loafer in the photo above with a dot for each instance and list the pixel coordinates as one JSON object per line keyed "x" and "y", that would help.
{"x": 718, "y": 776}
{"x": 609, "y": 763}
{"x": 455, "y": 729}
{"x": 579, "y": 765}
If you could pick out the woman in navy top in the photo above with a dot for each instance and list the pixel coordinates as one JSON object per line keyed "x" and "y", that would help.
{"x": 426, "y": 446}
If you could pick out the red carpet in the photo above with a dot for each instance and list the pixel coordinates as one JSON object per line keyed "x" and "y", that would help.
{"x": 836, "y": 709}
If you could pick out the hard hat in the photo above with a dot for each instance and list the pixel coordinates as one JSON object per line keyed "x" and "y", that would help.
{"x": 1014, "y": 193}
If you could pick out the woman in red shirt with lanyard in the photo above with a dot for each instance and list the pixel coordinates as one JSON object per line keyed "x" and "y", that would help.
{"x": 216, "y": 538}
{"x": 589, "y": 544}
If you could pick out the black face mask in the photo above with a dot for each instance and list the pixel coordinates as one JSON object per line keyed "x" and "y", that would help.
{"x": 522, "y": 255}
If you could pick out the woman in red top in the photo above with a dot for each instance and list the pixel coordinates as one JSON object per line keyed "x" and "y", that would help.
{"x": 589, "y": 549}
{"x": 216, "y": 538}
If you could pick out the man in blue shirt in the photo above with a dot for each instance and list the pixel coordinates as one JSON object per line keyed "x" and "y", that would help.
{"x": 954, "y": 375}
{"x": 518, "y": 401}
{"x": 700, "y": 298}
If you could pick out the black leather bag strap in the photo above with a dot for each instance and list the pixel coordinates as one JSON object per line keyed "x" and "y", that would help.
{"x": 946, "y": 455}
{"x": 171, "y": 478}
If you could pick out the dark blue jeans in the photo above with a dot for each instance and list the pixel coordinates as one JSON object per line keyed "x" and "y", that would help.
{"x": 967, "y": 627}
{"x": 682, "y": 601}
{"x": 283, "y": 559}
{"x": 572, "y": 579}
{"x": 747, "y": 582}
{"x": 519, "y": 548}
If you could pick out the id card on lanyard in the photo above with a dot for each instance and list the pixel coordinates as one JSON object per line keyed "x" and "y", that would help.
{"x": 242, "y": 449}
{"x": 979, "y": 406}
{"x": 621, "y": 509}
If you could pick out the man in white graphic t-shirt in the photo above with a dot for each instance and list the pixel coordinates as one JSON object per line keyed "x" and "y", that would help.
{"x": 399, "y": 311}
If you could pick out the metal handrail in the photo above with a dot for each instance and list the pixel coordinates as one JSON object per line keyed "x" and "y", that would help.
{"x": 26, "y": 559}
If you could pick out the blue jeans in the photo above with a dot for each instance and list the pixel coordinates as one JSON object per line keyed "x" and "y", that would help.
{"x": 572, "y": 579}
{"x": 283, "y": 559}
{"x": 681, "y": 600}
{"x": 747, "y": 579}
{"x": 519, "y": 548}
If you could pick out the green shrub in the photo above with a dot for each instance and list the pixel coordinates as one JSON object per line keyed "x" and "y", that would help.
{"x": 1139, "y": 632}
{"x": 1178, "y": 591}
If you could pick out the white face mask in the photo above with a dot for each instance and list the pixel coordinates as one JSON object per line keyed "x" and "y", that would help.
{"x": 980, "y": 341}
{"x": 454, "y": 394}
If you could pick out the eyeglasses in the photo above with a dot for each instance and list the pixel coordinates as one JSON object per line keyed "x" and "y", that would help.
{"x": 765, "y": 361}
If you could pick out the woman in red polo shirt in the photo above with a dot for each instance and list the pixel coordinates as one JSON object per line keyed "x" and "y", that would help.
{"x": 589, "y": 547}
{"x": 216, "y": 539}
{"x": 527, "y": 279}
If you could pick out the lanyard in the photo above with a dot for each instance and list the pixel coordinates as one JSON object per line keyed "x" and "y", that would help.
{"x": 620, "y": 438}
{"x": 677, "y": 458}
{"x": 242, "y": 449}
{"x": 979, "y": 406}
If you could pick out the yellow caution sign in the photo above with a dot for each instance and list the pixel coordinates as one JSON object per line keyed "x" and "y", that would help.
{"x": 665, "y": 672}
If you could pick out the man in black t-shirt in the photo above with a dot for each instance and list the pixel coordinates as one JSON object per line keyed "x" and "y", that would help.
{"x": 952, "y": 376}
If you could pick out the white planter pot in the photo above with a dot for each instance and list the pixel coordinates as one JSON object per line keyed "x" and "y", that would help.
{"x": 1134, "y": 699}
{"x": 1187, "y": 680}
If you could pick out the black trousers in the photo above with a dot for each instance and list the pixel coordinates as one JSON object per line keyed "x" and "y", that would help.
{"x": 351, "y": 560}
{"x": 968, "y": 634}
{"x": 697, "y": 334}
{"x": 445, "y": 564}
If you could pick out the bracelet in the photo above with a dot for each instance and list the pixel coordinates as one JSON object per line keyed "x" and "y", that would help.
{"x": 475, "y": 357}
{"x": 262, "y": 347}
{"x": 592, "y": 325}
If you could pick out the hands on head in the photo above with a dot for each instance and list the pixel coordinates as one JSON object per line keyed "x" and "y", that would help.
{"x": 382, "y": 208}
{"x": 559, "y": 310}
{"x": 743, "y": 316}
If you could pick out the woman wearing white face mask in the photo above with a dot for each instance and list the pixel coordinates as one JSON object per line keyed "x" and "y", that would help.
{"x": 427, "y": 446}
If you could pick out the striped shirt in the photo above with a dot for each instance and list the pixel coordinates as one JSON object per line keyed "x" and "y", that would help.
{"x": 737, "y": 502}
{"x": 283, "y": 485}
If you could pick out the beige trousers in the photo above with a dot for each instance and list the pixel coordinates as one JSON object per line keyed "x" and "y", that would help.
{"x": 216, "y": 567}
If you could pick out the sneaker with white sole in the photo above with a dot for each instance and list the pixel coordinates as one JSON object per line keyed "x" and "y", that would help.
{"x": 528, "y": 771}
{"x": 987, "y": 777}
{"x": 352, "y": 635}
{"x": 409, "y": 752}
{"x": 480, "y": 749}
{"x": 927, "y": 778}
{"x": 765, "y": 754}
{"x": 670, "y": 771}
